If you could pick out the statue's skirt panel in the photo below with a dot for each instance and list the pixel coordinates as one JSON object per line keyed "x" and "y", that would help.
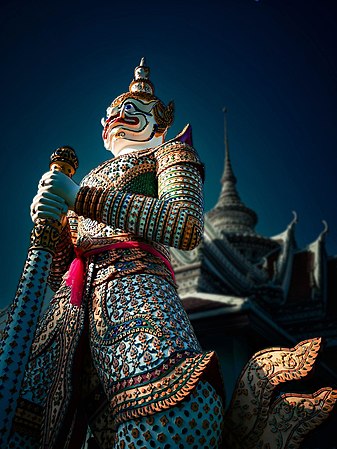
{"x": 142, "y": 345}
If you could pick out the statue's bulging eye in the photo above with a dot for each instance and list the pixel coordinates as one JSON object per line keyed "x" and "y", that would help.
{"x": 129, "y": 107}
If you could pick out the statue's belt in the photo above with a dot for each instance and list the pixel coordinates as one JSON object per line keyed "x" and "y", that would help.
{"x": 75, "y": 277}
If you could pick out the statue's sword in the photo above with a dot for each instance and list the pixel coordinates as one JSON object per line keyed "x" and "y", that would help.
{"x": 25, "y": 310}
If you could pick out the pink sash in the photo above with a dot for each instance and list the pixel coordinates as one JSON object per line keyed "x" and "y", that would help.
{"x": 75, "y": 278}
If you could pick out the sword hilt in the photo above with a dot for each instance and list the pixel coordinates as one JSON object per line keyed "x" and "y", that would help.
{"x": 46, "y": 231}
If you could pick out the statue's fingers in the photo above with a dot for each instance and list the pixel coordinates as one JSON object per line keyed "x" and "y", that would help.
{"x": 46, "y": 215}
{"x": 50, "y": 186}
{"x": 32, "y": 211}
{"x": 52, "y": 175}
{"x": 44, "y": 204}
{"x": 33, "y": 206}
{"x": 45, "y": 192}
{"x": 46, "y": 207}
{"x": 53, "y": 202}
{"x": 50, "y": 178}
{"x": 45, "y": 178}
{"x": 47, "y": 212}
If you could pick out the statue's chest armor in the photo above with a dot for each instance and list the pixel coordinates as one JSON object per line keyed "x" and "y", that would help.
{"x": 130, "y": 173}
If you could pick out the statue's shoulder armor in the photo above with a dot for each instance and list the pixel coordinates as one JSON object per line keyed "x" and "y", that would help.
{"x": 90, "y": 179}
{"x": 101, "y": 166}
{"x": 176, "y": 152}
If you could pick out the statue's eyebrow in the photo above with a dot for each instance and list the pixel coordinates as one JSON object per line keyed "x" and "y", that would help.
{"x": 136, "y": 107}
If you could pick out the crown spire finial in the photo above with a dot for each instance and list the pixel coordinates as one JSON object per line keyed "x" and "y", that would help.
{"x": 141, "y": 81}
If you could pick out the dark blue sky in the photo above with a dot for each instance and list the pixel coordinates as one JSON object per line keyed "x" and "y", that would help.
{"x": 272, "y": 63}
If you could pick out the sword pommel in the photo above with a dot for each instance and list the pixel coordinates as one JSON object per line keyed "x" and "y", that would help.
{"x": 65, "y": 160}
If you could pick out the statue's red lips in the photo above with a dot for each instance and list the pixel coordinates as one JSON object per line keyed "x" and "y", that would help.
{"x": 112, "y": 121}
{"x": 127, "y": 120}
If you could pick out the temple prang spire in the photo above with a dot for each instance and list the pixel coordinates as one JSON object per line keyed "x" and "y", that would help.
{"x": 230, "y": 214}
{"x": 228, "y": 174}
{"x": 229, "y": 196}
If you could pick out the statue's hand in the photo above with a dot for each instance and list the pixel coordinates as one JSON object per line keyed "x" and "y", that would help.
{"x": 47, "y": 205}
{"x": 59, "y": 184}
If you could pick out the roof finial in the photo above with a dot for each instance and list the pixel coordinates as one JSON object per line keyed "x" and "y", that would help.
{"x": 295, "y": 218}
{"x": 325, "y": 230}
{"x": 224, "y": 110}
{"x": 228, "y": 172}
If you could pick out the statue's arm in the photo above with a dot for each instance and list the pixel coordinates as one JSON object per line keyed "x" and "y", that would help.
{"x": 175, "y": 218}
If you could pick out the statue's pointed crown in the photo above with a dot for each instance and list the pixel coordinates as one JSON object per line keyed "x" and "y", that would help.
{"x": 141, "y": 88}
{"x": 141, "y": 81}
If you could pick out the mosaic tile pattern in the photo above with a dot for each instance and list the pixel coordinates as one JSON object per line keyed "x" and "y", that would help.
{"x": 19, "y": 333}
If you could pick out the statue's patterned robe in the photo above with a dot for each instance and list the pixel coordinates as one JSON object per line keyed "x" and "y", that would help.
{"x": 143, "y": 350}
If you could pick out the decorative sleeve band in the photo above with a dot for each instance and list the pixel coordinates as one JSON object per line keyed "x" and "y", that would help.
{"x": 90, "y": 202}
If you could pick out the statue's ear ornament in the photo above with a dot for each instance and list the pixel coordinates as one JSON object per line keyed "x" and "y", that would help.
{"x": 164, "y": 115}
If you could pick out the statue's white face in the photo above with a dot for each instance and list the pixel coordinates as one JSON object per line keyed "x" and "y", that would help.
{"x": 130, "y": 126}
